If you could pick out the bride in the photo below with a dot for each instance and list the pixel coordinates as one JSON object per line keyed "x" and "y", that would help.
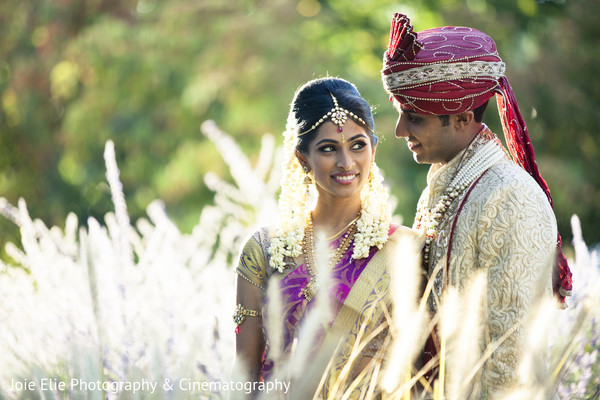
{"x": 329, "y": 146}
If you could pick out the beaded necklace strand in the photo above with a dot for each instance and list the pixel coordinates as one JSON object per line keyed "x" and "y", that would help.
{"x": 308, "y": 249}
{"x": 338, "y": 233}
{"x": 466, "y": 174}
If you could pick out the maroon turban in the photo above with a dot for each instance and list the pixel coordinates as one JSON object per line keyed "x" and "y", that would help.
{"x": 453, "y": 69}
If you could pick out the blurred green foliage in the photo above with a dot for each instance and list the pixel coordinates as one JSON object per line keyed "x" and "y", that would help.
{"x": 147, "y": 73}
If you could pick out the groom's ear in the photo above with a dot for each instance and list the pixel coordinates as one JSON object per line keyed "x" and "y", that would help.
{"x": 463, "y": 119}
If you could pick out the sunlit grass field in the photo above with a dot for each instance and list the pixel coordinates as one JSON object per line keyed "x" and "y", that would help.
{"x": 120, "y": 309}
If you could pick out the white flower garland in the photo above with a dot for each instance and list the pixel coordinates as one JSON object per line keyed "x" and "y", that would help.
{"x": 295, "y": 207}
{"x": 374, "y": 223}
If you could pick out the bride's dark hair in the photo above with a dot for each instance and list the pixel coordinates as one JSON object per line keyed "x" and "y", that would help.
{"x": 313, "y": 100}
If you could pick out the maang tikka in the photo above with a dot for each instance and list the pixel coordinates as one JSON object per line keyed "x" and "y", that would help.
{"x": 338, "y": 116}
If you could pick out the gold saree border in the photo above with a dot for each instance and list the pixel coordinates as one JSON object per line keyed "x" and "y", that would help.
{"x": 360, "y": 306}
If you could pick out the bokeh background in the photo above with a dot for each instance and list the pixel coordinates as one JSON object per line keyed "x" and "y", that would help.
{"x": 103, "y": 110}
{"x": 147, "y": 73}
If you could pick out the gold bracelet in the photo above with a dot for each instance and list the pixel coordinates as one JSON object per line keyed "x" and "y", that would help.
{"x": 239, "y": 316}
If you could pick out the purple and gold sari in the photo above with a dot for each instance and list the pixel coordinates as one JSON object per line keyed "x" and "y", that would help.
{"x": 358, "y": 295}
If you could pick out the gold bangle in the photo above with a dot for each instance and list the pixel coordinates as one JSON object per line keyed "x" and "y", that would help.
{"x": 239, "y": 315}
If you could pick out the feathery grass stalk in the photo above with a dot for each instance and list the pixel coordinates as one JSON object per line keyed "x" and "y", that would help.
{"x": 438, "y": 389}
{"x": 118, "y": 198}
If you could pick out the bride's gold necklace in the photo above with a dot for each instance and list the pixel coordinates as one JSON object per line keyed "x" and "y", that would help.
{"x": 308, "y": 249}
{"x": 338, "y": 233}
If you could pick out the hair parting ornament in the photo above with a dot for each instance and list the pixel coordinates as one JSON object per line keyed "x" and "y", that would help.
{"x": 338, "y": 116}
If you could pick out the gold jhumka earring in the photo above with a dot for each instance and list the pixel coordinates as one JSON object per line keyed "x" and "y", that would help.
{"x": 307, "y": 181}
{"x": 371, "y": 179}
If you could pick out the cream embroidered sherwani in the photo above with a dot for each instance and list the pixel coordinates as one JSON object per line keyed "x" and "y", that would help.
{"x": 506, "y": 230}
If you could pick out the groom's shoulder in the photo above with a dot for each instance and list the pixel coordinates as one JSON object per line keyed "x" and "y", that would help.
{"x": 507, "y": 181}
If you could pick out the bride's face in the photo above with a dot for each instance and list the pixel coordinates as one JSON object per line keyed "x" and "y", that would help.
{"x": 340, "y": 161}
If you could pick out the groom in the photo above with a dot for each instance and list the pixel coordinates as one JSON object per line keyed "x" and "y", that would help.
{"x": 481, "y": 211}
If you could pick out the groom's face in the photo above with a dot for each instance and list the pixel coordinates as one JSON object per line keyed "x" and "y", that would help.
{"x": 430, "y": 138}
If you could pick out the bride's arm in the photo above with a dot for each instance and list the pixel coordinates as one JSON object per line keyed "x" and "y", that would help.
{"x": 250, "y": 342}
